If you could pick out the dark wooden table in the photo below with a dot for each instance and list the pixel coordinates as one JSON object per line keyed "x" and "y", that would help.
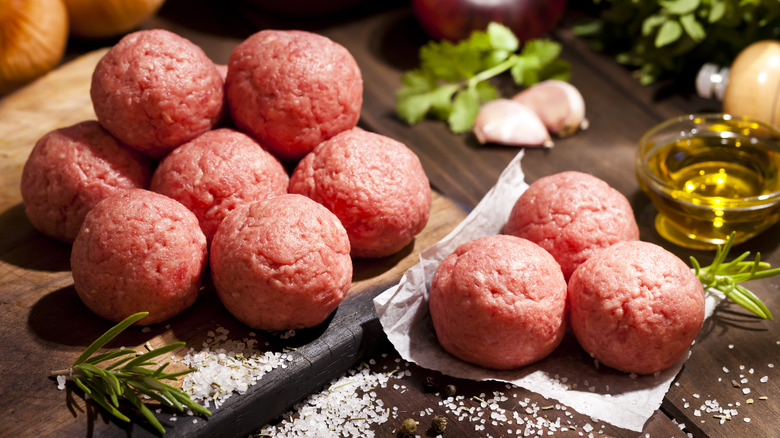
{"x": 384, "y": 39}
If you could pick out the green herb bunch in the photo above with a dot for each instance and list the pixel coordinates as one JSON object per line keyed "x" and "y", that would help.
{"x": 451, "y": 81}
{"x": 128, "y": 377}
{"x": 725, "y": 276}
{"x": 672, "y": 39}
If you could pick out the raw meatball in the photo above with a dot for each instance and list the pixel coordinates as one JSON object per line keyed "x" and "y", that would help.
{"x": 70, "y": 170}
{"x": 499, "y": 302}
{"x": 281, "y": 263}
{"x": 218, "y": 171}
{"x": 374, "y": 184}
{"x": 635, "y": 307}
{"x": 572, "y": 215}
{"x": 138, "y": 251}
{"x": 155, "y": 90}
{"x": 293, "y": 89}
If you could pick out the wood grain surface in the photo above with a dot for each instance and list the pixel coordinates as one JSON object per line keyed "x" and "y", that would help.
{"x": 43, "y": 322}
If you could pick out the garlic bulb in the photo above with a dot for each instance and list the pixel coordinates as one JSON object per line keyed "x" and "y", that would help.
{"x": 509, "y": 122}
{"x": 33, "y": 35}
{"x": 558, "y": 103}
{"x": 94, "y": 19}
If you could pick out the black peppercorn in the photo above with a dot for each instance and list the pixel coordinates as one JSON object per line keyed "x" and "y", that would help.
{"x": 450, "y": 390}
{"x": 429, "y": 385}
{"x": 438, "y": 424}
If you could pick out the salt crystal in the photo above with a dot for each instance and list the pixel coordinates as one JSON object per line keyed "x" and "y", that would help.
{"x": 747, "y": 419}
{"x": 764, "y": 379}
{"x": 746, "y": 390}
{"x": 61, "y": 382}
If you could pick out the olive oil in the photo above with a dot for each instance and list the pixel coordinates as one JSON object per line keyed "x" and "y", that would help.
{"x": 713, "y": 185}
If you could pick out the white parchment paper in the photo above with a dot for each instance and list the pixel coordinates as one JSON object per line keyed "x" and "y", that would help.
{"x": 568, "y": 375}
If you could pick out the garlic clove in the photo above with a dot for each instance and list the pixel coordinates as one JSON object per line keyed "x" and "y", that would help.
{"x": 509, "y": 122}
{"x": 558, "y": 103}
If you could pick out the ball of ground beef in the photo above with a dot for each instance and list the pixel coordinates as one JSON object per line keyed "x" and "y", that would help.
{"x": 70, "y": 170}
{"x": 635, "y": 307}
{"x": 217, "y": 172}
{"x": 293, "y": 89}
{"x": 281, "y": 263}
{"x": 499, "y": 302}
{"x": 573, "y": 215}
{"x": 155, "y": 90}
{"x": 374, "y": 184}
{"x": 138, "y": 251}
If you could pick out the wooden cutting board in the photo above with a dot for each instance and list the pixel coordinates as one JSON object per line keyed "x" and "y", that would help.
{"x": 44, "y": 326}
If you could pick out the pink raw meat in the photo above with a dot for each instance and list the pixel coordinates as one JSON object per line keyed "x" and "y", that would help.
{"x": 281, "y": 263}
{"x": 155, "y": 90}
{"x": 635, "y": 307}
{"x": 499, "y": 302}
{"x": 374, "y": 184}
{"x": 217, "y": 172}
{"x": 138, "y": 251}
{"x": 70, "y": 170}
{"x": 293, "y": 89}
{"x": 573, "y": 215}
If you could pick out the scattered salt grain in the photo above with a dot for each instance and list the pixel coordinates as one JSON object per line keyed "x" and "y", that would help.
{"x": 226, "y": 367}
{"x": 61, "y": 382}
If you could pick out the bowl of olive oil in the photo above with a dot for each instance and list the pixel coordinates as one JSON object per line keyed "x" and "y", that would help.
{"x": 711, "y": 175}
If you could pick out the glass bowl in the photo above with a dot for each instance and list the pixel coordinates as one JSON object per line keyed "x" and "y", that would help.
{"x": 711, "y": 175}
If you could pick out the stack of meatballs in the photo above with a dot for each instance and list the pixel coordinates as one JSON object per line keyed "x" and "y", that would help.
{"x": 255, "y": 170}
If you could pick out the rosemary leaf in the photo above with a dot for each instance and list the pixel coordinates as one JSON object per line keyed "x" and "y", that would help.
{"x": 129, "y": 376}
{"x": 144, "y": 359}
{"x": 135, "y": 401}
{"x": 109, "y": 356}
{"x": 726, "y": 276}
{"x": 108, "y": 336}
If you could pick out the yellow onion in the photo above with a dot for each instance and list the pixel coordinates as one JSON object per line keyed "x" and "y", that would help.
{"x": 95, "y": 19}
{"x": 33, "y": 36}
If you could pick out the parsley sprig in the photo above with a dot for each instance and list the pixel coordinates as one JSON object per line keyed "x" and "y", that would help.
{"x": 725, "y": 276}
{"x": 128, "y": 377}
{"x": 671, "y": 39}
{"x": 451, "y": 81}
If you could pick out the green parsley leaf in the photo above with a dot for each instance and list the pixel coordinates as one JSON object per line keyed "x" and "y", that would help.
{"x": 671, "y": 39}
{"x": 452, "y": 79}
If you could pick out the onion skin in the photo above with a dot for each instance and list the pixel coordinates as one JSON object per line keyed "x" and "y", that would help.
{"x": 98, "y": 19}
{"x": 33, "y": 36}
{"x": 455, "y": 19}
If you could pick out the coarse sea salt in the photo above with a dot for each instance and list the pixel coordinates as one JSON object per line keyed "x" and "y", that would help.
{"x": 347, "y": 408}
{"x": 225, "y": 367}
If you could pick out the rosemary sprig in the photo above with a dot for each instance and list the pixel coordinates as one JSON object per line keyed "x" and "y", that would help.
{"x": 725, "y": 276}
{"x": 128, "y": 377}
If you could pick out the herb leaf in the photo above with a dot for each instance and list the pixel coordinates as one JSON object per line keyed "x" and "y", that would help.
{"x": 451, "y": 81}
{"x": 128, "y": 377}
{"x": 725, "y": 276}
{"x": 672, "y": 39}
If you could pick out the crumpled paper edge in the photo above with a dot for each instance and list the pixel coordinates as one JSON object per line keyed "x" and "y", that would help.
{"x": 567, "y": 375}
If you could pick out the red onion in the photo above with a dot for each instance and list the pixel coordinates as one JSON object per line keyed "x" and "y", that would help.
{"x": 455, "y": 19}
